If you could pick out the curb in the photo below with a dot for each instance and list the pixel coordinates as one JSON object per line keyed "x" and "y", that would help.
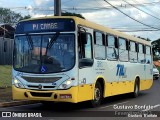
{"x": 16, "y": 103}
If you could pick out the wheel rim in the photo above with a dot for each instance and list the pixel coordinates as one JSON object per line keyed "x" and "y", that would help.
{"x": 97, "y": 94}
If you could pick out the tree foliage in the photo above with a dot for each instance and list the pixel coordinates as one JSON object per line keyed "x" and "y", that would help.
{"x": 10, "y": 17}
{"x": 25, "y": 17}
{"x": 156, "y": 47}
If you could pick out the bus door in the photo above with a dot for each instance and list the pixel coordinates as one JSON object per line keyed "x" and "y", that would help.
{"x": 85, "y": 54}
{"x": 149, "y": 64}
{"x": 142, "y": 62}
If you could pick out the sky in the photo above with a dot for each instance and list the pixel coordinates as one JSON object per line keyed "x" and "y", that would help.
{"x": 100, "y": 12}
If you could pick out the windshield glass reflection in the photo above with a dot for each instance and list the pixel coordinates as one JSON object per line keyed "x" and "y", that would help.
{"x": 44, "y": 53}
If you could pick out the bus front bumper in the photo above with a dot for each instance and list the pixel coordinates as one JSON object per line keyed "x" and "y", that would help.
{"x": 69, "y": 95}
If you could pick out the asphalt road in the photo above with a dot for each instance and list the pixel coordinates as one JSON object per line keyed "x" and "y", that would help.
{"x": 114, "y": 107}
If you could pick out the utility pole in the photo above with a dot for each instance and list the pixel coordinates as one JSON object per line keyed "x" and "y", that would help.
{"x": 57, "y": 7}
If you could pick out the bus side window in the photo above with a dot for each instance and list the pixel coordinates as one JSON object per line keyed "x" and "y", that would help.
{"x": 85, "y": 51}
{"x": 80, "y": 46}
{"x": 99, "y": 46}
{"x": 98, "y": 38}
{"x": 88, "y": 47}
{"x": 123, "y": 49}
{"x": 141, "y": 55}
{"x": 112, "y": 45}
{"x": 148, "y": 55}
{"x": 133, "y": 52}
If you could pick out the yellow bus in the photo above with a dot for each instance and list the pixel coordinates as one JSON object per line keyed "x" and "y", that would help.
{"x": 69, "y": 59}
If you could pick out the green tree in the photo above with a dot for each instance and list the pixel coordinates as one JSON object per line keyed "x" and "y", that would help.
{"x": 10, "y": 17}
{"x": 156, "y": 48}
{"x": 25, "y": 17}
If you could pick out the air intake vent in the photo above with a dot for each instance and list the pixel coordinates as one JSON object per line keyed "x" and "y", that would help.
{"x": 35, "y": 94}
{"x": 41, "y": 80}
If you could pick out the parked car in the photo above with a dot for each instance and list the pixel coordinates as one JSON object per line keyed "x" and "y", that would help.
{"x": 155, "y": 72}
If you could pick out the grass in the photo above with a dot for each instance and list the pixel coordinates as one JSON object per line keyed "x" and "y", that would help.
{"x": 6, "y": 95}
{"x": 158, "y": 68}
{"x": 5, "y": 76}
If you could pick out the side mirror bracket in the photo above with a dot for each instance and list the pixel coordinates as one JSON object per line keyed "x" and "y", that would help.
{"x": 83, "y": 35}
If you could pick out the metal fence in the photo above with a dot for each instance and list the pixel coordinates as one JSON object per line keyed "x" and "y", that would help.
{"x": 6, "y": 49}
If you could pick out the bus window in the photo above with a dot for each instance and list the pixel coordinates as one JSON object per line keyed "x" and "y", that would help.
{"x": 123, "y": 52}
{"x": 88, "y": 49}
{"x": 99, "y": 46}
{"x": 85, "y": 52}
{"x": 98, "y": 38}
{"x": 111, "y": 41}
{"x": 148, "y": 55}
{"x": 112, "y": 51}
{"x": 132, "y": 52}
{"x": 141, "y": 58}
{"x": 140, "y": 48}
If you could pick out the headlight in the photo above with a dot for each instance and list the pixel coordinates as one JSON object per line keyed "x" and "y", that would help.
{"x": 18, "y": 84}
{"x": 65, "y": 85}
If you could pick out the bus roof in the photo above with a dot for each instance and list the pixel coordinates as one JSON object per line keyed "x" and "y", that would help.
{"x": 95, "y": 26}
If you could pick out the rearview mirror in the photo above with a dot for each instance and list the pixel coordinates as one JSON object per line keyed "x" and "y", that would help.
{"x": 83, "y": 37}
{"x": 85, "y": 62}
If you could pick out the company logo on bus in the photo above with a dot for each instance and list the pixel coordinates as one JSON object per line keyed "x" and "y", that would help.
{"x": 121, "y": 70}
{"x": 40, "y": 86}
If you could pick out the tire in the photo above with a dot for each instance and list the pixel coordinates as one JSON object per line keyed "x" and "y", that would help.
{"x": 136, "y": 89}
{"x": 157, "y": 78}
{"x": 98, "y": 95}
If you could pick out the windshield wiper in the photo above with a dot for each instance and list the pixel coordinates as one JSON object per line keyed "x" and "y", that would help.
{"x": 54, "y": 38}
{"x": 30, "y": 41}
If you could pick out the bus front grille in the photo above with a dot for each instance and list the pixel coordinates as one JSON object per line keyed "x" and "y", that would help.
{"x": 41, "y": 80}
{"x": 36, "y": 94}
{"x": 37, "y": 86}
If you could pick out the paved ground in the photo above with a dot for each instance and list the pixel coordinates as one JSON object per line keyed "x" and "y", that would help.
{"x": 147, "y": 102}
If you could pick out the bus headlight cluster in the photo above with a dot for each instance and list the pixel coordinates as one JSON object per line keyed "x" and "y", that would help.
{"x": 66, "y": 84}
{"x": 18, "y": 84}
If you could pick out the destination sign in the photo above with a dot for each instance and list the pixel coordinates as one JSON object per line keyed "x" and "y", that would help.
{"x": 46, "y": 25}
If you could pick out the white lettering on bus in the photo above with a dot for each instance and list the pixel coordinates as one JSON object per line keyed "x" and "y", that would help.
{"x": 48, "y": 26}
{"x": 35, "y": 26}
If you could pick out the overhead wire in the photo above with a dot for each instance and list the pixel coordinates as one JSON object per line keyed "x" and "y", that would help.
{"x": 130, "y": 16}
{"x": 136, "y": 30}
{"x": 135, "y": 1}
{"x": 141, "y": 10}
{"x": 96, "y": 8}
{"x": 101, "y": 8}
{"x": 66, "y": 2}
{"x": 83, "y": 8}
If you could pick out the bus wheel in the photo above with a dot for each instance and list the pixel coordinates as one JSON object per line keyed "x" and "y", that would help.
{"x": 136, "y": 89}
{"x": 97, "y": 95}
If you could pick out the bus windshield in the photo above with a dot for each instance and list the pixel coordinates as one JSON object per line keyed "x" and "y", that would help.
{"x": 44, "y": 53}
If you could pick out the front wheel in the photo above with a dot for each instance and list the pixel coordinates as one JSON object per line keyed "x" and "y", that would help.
{"x": 98, "y": 95}
{"x": 157, "y": 78}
